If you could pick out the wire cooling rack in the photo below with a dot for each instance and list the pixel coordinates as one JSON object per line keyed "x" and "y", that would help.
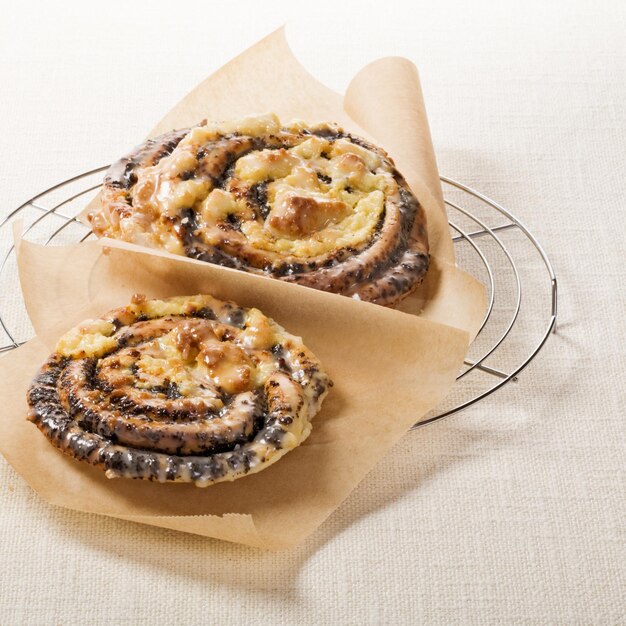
{"x": 491, "y": 244}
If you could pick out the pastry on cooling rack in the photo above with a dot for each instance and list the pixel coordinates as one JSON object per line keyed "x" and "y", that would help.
{"x": 188, "y": 389}
{"x": 313, "y": 205}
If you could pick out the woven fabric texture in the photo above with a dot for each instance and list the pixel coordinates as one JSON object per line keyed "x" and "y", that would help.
{"x": 512, "y": 512}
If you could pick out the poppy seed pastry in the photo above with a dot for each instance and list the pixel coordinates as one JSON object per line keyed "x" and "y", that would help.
{"x": 187, "y": 389}
{"x": 309, "y": 204}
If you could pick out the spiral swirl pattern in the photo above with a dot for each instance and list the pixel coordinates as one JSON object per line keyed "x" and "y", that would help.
{"x": 312, "y": 205}
{"x": 187, "y": 389}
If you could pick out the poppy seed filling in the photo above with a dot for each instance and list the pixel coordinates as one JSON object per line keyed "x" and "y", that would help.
{"x": 188, "y": 389}
{"x": 309, "y": 204}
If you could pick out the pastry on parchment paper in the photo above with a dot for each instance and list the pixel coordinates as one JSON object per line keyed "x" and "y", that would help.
{"x": 309, "y": 204}
{"x": 186, "y": 389}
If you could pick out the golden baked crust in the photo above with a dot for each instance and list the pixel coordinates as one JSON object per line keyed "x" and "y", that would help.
{"x": 188, "y": 389}
{"x": 308, "y": 204}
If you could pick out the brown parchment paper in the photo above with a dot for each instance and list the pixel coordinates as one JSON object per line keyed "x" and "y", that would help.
{"x": 383, "y": 103}
{"x": 389, "y": 368}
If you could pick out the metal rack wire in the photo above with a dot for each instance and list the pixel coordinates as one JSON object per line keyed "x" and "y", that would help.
{"x": 491, "y": 244}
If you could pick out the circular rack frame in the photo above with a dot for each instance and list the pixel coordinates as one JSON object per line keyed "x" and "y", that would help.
{"x": 506, "y": 268}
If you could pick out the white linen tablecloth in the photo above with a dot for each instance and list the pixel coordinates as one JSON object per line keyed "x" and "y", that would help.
{"x": 512, "y": 512}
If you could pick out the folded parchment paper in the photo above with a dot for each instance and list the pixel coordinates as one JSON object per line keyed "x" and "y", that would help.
{"x": 389, "y": 367}
{"x": 383, "y": 103}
